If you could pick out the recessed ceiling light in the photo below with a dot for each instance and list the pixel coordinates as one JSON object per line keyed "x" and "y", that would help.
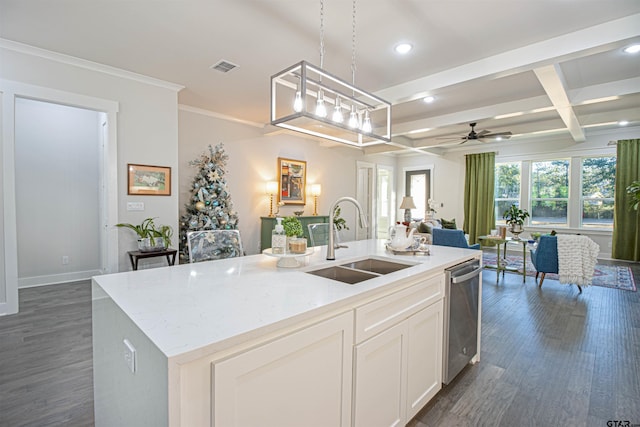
{"x": 403, "y": 48}
{"x": 623, "y": 122}
{"x": 429, "y": 99}
{"x": 634, "y": 48}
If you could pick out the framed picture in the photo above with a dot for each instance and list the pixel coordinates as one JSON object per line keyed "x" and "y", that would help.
{"x": 292, "y": 180}
{"x": 144, "y": 180}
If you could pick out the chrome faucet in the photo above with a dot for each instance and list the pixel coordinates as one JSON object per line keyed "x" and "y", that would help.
{"x": 331, "y": 250}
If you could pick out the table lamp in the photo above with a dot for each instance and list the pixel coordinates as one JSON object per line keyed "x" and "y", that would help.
{"x": 271, "y": 188}
{"x": 407, "y": 204}
{"x": 316, "y": 190}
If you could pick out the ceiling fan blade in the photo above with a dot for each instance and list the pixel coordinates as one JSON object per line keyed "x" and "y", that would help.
{"x": 503, "y": 135}
{"x": 482, "y": 133}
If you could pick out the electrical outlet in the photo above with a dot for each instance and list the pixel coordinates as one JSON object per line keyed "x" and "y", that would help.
{"x": 65, "y": 259}
{"x": 130, "y": 355}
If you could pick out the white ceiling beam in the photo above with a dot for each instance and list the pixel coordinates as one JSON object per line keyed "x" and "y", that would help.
{"x": 472, "y": 115}
{"x": 542, "y": 53}
{"x": 605, "y": 90}
{"x": 552, "y": 80}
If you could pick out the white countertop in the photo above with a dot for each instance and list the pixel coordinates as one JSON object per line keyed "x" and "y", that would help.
{"x": 209, "y": 306}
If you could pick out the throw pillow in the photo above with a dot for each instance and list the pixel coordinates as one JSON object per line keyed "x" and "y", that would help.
{"x": 424, "y": 228}
{"x": 451, "y": 225}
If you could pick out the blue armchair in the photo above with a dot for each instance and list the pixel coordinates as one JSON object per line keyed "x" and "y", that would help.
{"x": 455, "y": 238}
{"x": 545, "y": 257}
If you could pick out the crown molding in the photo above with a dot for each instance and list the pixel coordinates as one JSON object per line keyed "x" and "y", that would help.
{"x": 208, "y": 113}
{"x": 89, "y": 65}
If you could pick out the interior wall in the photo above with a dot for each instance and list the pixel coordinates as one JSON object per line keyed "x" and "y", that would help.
{"x": 57, "y": 200}
{"x": 253, "y": 161}
{"x": 146, "y": 133}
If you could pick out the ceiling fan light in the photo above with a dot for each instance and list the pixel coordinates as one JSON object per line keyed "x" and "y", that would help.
{"x": 429, "y": 99}
{"x": 297, "y": 102}
{"x": 321, "y": 109}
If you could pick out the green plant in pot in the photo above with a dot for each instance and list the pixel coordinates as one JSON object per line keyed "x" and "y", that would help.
{"x": 514, "y": 217}
{"x": 293, "y": 229}
{"x": 150, "y": 236}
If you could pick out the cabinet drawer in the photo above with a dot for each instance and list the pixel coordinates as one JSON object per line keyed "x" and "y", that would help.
{"x": 381, "y": 314}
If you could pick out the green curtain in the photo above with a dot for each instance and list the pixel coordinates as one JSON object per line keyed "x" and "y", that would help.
{"x": 479, "y": 213}
{"x": 626, "y": 221}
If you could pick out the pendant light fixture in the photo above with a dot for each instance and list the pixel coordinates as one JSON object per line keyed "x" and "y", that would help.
{"x": 302, "y": 95}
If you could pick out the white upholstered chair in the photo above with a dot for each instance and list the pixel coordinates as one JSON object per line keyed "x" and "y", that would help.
{"x": 209, "y": 245}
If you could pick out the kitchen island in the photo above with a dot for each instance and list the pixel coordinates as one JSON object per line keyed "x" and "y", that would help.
{"x": 243, "y": 342}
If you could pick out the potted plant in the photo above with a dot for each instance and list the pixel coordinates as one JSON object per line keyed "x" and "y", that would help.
{"x": 338, "y": 221}
{"x": 293, "y": 230}
{"x": 515, "y": 217}
{"x": 150, "y": 237}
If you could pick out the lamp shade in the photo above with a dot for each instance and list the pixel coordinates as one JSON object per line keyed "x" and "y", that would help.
{"x": 407, "y": 203}
{"x": 271, "y": 187}
{"x": 316, "y": 190}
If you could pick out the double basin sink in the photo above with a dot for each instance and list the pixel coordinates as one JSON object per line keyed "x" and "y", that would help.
{"x": 359, "y": 271}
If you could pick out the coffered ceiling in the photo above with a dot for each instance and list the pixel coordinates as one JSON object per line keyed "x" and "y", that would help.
{"x": 530, "y": 67}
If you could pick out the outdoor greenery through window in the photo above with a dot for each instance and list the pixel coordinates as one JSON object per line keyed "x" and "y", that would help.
{"x": 549, "y": 192}
{"x": 598, "y": 183}
{"x": 507, "y": 188}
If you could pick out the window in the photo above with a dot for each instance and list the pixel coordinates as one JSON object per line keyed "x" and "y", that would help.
{"x": 507, "y": 188}
{"x": 598, "y": 183}
{"x": 549, "y": 192}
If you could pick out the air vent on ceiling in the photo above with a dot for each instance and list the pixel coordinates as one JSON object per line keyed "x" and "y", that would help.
{"x": 224, "y": 66}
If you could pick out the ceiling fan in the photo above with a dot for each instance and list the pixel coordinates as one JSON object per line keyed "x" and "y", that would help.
{"x": 483, "y": 135}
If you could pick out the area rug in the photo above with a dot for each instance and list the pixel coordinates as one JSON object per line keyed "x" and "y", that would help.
{"x": 608, "y": 276}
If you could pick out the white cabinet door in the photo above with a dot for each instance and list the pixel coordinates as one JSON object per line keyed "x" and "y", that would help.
{"x": 424, "y": 357}
{"x": 380, "y": 372}
{"x": 301, "y": 379}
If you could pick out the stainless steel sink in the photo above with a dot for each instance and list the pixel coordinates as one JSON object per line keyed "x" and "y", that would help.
{"x": 359, "y": 271}
{"x": 345, "y": 275}
{"x": 376, "y": 265}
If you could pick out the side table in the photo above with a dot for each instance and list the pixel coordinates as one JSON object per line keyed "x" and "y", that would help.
{"x": 134, "y": 256}
{"x": 500, "y": 266}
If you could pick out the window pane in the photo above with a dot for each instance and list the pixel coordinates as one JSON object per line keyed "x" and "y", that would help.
{"x": 419, "y": 193}
{"x": 550, "y": 179}
{"x": 597, "y": 213}
{"x": 507, "y": 181}
{"x": 549, "y": 212}
{"x": 598, "y": 177}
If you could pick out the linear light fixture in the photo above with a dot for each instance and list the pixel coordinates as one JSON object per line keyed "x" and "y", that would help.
{"x": 307, "y": 84}
{"x": 308, "y": 99}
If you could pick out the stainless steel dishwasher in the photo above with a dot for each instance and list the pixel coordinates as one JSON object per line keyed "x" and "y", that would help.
{"x": 462, "y": 289}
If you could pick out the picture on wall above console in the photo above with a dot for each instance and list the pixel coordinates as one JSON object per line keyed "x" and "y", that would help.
{"x": 145, "y": 180}
{"x": 292, "y": 180}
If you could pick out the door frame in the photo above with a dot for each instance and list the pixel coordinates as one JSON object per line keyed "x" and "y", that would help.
{"x": 10, "y": 90}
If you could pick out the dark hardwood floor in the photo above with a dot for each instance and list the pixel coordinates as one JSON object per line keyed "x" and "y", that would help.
{"x": 550, "y": 357}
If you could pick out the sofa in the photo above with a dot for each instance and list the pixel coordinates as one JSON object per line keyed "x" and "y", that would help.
{"x": 425, "y": 227}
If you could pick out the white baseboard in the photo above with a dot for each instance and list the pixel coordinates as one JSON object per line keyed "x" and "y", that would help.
{"x": 51, "y": 279}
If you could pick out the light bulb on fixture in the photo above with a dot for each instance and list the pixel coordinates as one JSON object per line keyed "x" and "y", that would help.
{"x": 353, "y": 117}
{"x": 366, "y": 124}
{"x": 297, "y": 102}
{"x": 321, "y": 110}
{"x": 337, "y": 112}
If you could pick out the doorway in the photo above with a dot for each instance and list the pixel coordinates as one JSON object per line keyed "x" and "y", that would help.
{"x": 58, "y": 192}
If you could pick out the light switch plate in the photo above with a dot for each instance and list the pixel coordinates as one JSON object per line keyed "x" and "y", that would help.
{"x": 130, "y": 355}
{"x": 135, "y": 206}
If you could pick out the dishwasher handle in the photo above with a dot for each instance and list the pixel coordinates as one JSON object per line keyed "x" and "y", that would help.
{"x": 467, "y": 276}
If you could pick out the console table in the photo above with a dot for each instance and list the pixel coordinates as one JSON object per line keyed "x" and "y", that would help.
{"x": 134, "y": 256}
{"x": 268, "y": 223}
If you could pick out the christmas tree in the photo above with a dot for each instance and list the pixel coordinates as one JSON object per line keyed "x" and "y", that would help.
{"x": 210, "y": 206}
